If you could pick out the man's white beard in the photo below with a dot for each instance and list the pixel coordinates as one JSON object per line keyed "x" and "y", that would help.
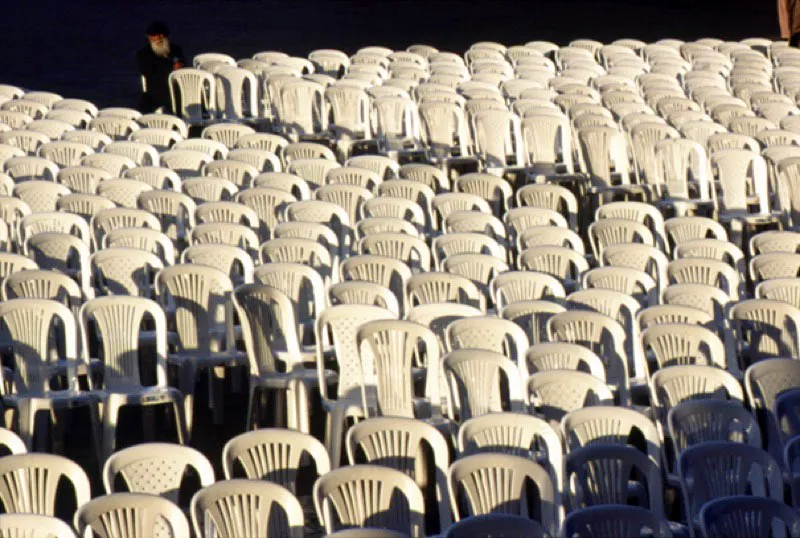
{"x": 162, "y": 49}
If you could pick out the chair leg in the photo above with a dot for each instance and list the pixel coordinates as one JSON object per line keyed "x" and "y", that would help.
{"x": 178, "y": 407}
{"x": 187, "y": 377}
{"x": 216, "y": 393}
{"x": 110, "y": 419}
{"x": 8, "y": 416}
{"x": 95, "y": 417}
{"x": 301, "y": 406}
{"x": 289, "y": 405}
{"x": 334, "y": 434}
{"x": 26, "y": 413}
{"x": 251, "y": 404}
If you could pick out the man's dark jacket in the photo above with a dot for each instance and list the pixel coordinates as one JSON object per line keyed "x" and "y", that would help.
{"x": 156, "y": 70}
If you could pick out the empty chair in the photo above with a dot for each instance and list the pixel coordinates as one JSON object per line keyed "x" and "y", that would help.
{"x": 320, "y": 211}
{"x": 209, "y": 189}
{"x": 765, "y": 328}
{"x": 366, "y": 442}
{"x": 174, "y": 210}
{"x": 439, "y": 287}
{"x": 780, "y": 289}
{"x": 774, "y": 241}
{"x": 269, "y": 327}
{"x": 40, "y": 195}
{"x": 239, "y": 173}
{"x": 116, "y": 127}
{"x": 474, "y": 383}
{"x": 490, "y": 334}
{"x": 606, "y": 337}
{"x": 681, "y": 229}
{"x": 389, "y": 349}
{"x": 196, "y": 90}
{"x": 226, "y": 233}
{"x": 513, "y": 286}
{"x": 675, "y": 344}
{"x": 127, "y": 515}
{"x": 227, "y": 133}
{"x": 764, "y": 381}
{"x": 608, "y": 425}
{"x": 388, "y": 272}
{"x": 546, "y": 356}
{"x": 248, "y": 455}
{"x": 509, "y": 481}
{"x": 212, "y": 148}
{"x": 615, "y": 521}
{"x": 155, "y": 469}
{"x": 243, "y": 508}
{"x": 612, "y": 231}
{"x": 21, "y": 495}
{"x": 746, "y": 514}
{"x": 123, "y": 192}
{"x": 185, "y": 162}
{"x": 717, "y": 469}
{"x": 714, "y": 249}
{"x": 28, "y": 142}
{"x": 558, "y": 261}
{"x": 160, "y": 139}
{"x": 494, "y": 190}
{"x": 34, "y": 327}
{"x": 233, "y": 261}
{"x": 94, "y": 139}
{"x": 409, "y": 249}
{"x": 31, "y": 168}
{"x": 124, "y": 271}
{"x": 447, "y": 203}
{"x": 359, "y": 292}
{"x": 452, "y": 244}
{"x": 141, "y": 153}
{"x": 343, "y": 322}
{"x": 741, "y": 172}
{"x": 694, "y": 422}
{"x": 600, "y": 474}
{"x": 115, "y": 164}
{"x": 156, "y": 177}
{"x": 34, "y": 526}
{"x": 715, "y": 273}
{"x": 553, "y": 394}
{"x": 369, "y": 496}
{"x": 488, "y": 525}
{"x": 62, "y": 252}
{"x": 117, "y": 321}
{"x": 83, "y": 179}
{"x": 770, "y": 265}
{"x": 195, "y": 297}
{"x": 83, "y": 205}
{"x": 676, "y": 384}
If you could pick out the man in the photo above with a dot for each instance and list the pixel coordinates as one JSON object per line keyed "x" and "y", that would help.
{"x": 156, "y": 61}
{"x": 783, "y": 18}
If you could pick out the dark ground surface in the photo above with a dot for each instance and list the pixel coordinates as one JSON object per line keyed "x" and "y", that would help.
{"x": 86, "y": 48}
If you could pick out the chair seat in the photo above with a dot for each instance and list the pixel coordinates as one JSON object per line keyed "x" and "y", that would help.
{"x": 283, "y": 380}
{"x": 141, "y": 395}
{"x": 57, "y": 398}
{"x": 219, "y": 358}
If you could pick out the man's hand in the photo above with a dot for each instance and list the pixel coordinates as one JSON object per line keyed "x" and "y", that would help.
{"x": 177, "y": 64}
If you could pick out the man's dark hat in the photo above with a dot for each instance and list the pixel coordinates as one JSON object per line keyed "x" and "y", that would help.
{"x": 157, "y": 28}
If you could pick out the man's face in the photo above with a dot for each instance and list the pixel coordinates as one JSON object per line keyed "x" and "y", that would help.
{"x": 157, "y": 39}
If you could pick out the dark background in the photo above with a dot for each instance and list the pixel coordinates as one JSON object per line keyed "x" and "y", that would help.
{"x": 86, "y": 48}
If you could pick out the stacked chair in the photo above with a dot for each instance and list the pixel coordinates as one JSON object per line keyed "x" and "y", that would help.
{"x": 530, "y": 290}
